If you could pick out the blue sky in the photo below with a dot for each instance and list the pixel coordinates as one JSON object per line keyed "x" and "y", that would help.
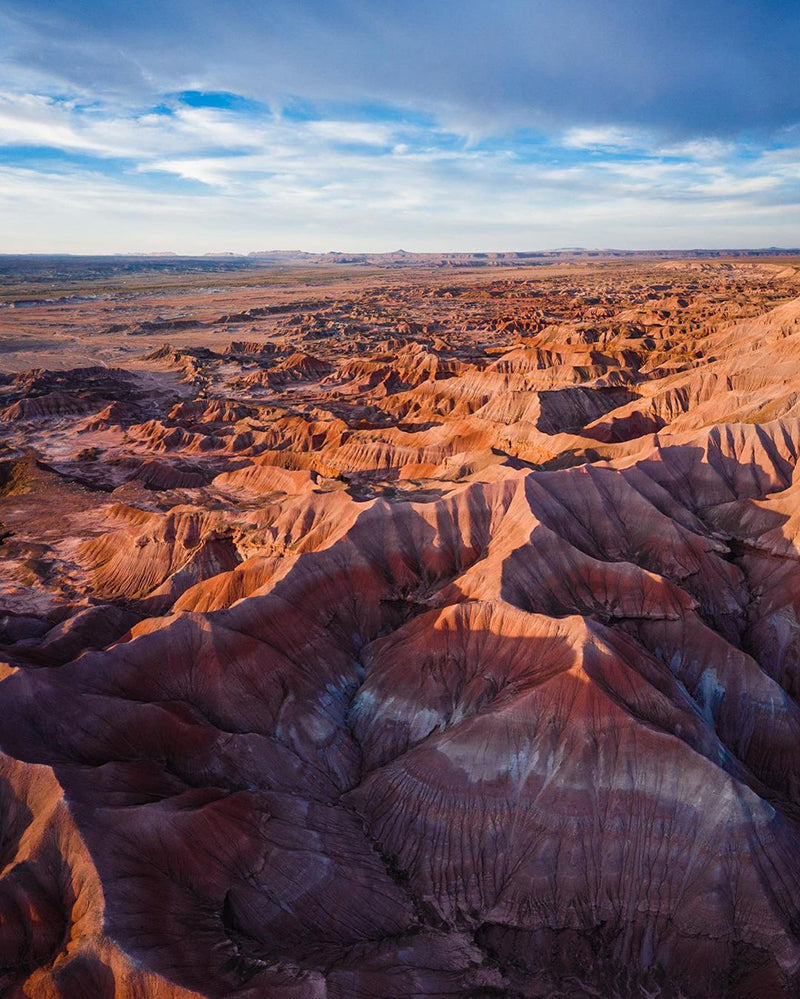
{"x": 352, "y": 125}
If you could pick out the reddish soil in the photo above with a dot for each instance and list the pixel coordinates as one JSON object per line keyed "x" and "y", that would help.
{"x": 398, "y": 633}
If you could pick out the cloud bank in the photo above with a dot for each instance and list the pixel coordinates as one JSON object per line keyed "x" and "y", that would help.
{"x": 354, "y": 125}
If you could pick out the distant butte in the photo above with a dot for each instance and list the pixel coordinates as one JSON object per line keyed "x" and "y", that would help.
{"x": 426, "y": 630}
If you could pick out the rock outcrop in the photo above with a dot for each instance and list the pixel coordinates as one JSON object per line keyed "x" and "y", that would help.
{"x": 457, "y": 659}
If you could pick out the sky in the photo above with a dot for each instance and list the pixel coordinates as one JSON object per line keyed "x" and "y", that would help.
{"x": 195, "y": 126}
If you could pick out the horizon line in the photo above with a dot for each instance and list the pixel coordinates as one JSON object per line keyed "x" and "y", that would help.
{"x": 255, "y": 254}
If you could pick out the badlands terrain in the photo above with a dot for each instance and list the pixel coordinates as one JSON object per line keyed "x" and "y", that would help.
{"x": 400, "y": 629}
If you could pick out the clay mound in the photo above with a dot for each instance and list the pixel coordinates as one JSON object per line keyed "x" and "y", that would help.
{"x": 298, "y": 367}
{"x": 456, "y": 659}
{"x": 406, "y": 368}
{"x": 39, "y": 381}
{"x": 20, "y": 475}
{"x": 364, "y": 375}
{"x": 462, "y": 731}
{"x": 52, "y": 902}
{"x": 93, "y": 627}
{"x": 297, "y": 460}
{"x": 40, "y": 394}
{"x": 261, "y": 379}
{"x": 53, "y": 404}
{"x": 190, "y": 361}
{"x": 115, "y": 414}
{"x": 147, "y": 553}
{"x": 155, "y": 474}
{"x": 260, "y": 478}
{"x": 552, "y": 412}
{"x": 159, "y": 325}
{"x": 251, "y": 348}
{"x": 212, "y": 411}
{"x": 158, "y": 436}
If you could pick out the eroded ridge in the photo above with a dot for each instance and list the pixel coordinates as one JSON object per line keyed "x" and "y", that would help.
{"x": 381, "y": 636}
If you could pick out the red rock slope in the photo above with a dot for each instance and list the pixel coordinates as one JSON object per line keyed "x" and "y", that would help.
{"x": 438, "y": 639}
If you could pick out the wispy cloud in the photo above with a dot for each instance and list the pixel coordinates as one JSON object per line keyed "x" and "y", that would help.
{"x": 598, "y": 137}
{"x": 345, "y": 124}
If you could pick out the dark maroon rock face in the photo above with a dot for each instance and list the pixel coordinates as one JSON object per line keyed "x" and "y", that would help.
{"x": 411, "y": 642}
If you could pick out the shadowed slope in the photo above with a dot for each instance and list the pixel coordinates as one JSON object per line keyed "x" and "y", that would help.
{"x": 448, "y": 659}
